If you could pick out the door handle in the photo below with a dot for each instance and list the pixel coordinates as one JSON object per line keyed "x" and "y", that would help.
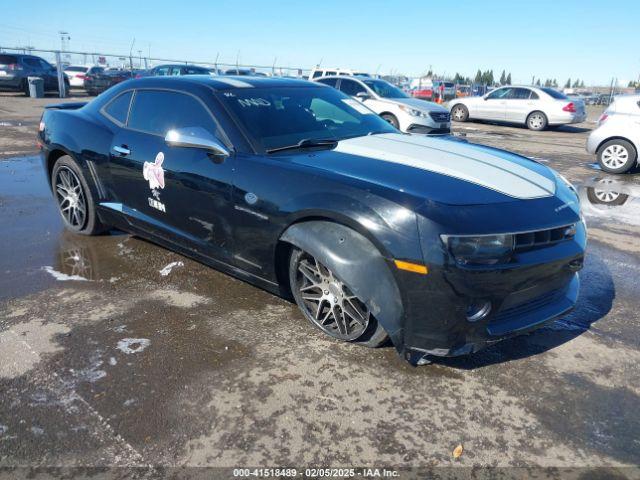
{"x": 123, "y": 150}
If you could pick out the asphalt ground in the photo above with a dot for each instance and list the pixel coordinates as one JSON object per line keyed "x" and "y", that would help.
{"x": 105, "y": 362}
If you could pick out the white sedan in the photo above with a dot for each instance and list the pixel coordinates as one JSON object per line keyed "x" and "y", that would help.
{"x": 407, "y": 114}
{"x": 76, "y": 75}
{"x": 617, "y": 138}
{"x": 535, "y": 107}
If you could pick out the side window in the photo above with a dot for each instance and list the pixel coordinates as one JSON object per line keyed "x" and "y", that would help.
{"x": 500, "y": 93}
{"x": 176, "y": 71}
{"x": 317, "y": 74}
{"x": 519, "y": 94}
{"x": 44, "y": 65}
{"x": 350, "y": 87}
{"x": 162, "y": 71}
{"x": 31, "y": 63}
{"x": 534, "y": 95}
{"x": 118, "y": 108}
{"x": 332, "y": 82}
{"x": 157, "y": 112}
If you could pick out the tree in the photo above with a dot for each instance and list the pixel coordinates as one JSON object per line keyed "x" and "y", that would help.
{"x": 576, "y": 83}
{"x": 568, "y": 84}
{"x": 503, "y": 78}
{"x": 478, "y": 78}
{"x": 509, "y": 79}
{"x": 581, "y": 83}
{"x": 538, "y": 82}
{"x": 555, "y": 83}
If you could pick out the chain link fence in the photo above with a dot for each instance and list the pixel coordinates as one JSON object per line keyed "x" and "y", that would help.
{"x": 61, "y": 59}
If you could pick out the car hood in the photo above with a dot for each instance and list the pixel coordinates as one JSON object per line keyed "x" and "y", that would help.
{"x": 436, "y": 169}
{"x": 418, "y": 104}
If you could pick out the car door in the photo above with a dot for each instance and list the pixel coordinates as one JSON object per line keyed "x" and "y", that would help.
{"x": 518, "y": 104}
{"x": 181, "y": 194}
{"x": 492, "y": 106}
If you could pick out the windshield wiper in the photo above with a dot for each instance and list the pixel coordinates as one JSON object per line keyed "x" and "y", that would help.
{"x": 306, "y": 143}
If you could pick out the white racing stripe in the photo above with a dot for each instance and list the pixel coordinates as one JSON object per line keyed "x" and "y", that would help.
{"x": 233, "y": 82}
{"x": 459, "y": 160}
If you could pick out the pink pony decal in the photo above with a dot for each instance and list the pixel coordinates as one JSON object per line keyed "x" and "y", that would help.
{"x": 153, "y": 172}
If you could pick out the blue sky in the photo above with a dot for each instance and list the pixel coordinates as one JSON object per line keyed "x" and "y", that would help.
{"x": 588, "y": 39}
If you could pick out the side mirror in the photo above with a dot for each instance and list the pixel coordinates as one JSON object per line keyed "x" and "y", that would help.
{"x": 362, "y": 96}
{"x": 196, "y": 137}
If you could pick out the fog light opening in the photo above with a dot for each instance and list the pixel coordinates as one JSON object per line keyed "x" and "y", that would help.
{"x": 478, "y": 309}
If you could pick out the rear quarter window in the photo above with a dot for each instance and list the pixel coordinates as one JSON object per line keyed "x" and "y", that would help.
{"x": 555, "y": 94}
{"x": 118, "y": 108}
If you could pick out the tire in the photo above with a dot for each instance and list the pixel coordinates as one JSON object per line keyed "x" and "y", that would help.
{"x": 74, "y": 198}
{"x": 391, "y": 119}
{"x": 537, "y": 121}
{"x": 320, "y": 296}
{"x": 617, "y": 156}
{"x": 459, "y": 113}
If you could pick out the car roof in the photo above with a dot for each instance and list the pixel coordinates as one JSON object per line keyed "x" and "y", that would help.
{"x": 224, "y": 82}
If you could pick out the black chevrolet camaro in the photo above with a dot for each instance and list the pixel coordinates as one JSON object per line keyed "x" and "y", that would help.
{"x": 441, "y": 246}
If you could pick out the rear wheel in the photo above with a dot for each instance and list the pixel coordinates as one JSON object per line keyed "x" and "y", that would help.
{"x": 617, "y": 156}
{"x": 391, "y": 119}
{"x": 329, "y": 304}
{"x": 74, "y": 198}
{"x": 459, "y": 113}
{"x": 537, "y": 121}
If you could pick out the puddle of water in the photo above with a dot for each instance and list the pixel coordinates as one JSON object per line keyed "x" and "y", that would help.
{"x": 609, "y": 198}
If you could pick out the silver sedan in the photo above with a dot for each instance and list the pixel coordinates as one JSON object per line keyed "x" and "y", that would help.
{"x": 535, "y": 107}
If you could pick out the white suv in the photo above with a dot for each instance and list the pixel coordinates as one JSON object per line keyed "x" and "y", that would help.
{"x": 407, "y": 114}
{"x": 617, "y": 138}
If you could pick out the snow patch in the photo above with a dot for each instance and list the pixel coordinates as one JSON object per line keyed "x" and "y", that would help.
{"x": 63, "y": 276}
{"x": 133, "y": 345}
{"x": 167, "y": 270}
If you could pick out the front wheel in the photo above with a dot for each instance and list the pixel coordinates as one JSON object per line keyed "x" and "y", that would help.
{"x": 74, "y": 199}
{"x": 537, "y": 121}
{"x": 617, "y": 156}
{"x": 391, "y": 119}
{"x": 459, "y": 113}
{"x": 329, "y": 304}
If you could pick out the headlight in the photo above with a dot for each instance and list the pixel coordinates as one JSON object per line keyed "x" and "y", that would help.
{"x": 480, "y": 249}
{"x": 413, "y": 112}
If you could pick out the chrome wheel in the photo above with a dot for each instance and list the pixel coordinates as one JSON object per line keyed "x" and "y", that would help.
{"x": 71, "y": 198}
{"x": 536, "y": 121}
{"x": 615, "y": 156}
{"x": 328, "y": 302}
{"x": 459, "y": 114}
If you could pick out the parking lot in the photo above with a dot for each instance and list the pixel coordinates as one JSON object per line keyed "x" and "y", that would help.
{"x": 114, "y": 351}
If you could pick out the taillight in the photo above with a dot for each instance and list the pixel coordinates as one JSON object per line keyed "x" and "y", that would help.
{"x": 81, "y": 76}
{"x": 569, "y": 107}
{"x": 603, "y": 118}
{"x": 41, "y": 126}
{"x": 138, "y": 75}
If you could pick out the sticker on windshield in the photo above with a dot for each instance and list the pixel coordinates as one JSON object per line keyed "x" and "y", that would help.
{"x": 254, "y": 102}
{"x": 355, "y": 104}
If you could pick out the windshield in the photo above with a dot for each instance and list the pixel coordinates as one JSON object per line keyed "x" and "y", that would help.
{"x": 279, "y": 117}
{"x": 385, "y": 89}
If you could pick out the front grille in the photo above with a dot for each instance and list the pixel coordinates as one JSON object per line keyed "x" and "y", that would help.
{"x": 543, "y": 238}
{"x": 440, "y": 116}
